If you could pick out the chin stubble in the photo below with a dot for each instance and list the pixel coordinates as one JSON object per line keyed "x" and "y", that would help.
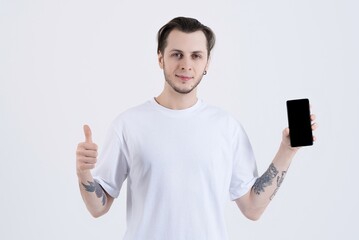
{"x": 177, "y": 89}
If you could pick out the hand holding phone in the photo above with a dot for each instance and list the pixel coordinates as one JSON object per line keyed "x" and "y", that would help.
{"x": 300, "y": 127}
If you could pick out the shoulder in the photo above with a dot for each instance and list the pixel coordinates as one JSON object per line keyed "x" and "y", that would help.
{"x": 131, "y": 115}
{"x": 221, "y": 115}
{"x": 134, "y": 111}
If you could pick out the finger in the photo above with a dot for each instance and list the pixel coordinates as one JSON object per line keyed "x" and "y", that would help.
{"x": 314, "y": 126}
{"x": 286, "y": 131}
{"x": 312, "y": 117}
{"x": 88, "y": 134}
{"x": 87, "y": 153}
{"x": 87, "y": 146}
{"x": 87, "y": 160}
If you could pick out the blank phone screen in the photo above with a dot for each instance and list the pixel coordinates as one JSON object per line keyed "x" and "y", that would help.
{"x": 300, "y": 129}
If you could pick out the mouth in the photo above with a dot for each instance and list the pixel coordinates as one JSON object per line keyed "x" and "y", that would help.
{"x": 183, "y": 77}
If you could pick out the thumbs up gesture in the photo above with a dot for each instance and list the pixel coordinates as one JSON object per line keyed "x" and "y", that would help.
{"x": 86, "y": 153}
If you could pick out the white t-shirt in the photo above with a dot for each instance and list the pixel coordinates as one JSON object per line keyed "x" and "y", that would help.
{"x": 181, "y": 166}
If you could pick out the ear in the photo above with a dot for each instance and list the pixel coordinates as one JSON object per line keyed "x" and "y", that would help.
{"x": 207, "y": 65}
{"x": 160, "y": 59}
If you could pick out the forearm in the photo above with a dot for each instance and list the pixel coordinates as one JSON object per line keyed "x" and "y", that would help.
{"x": 264, "y": 189}
{"x": 96, "y": 199}
{"x": 268, "y": 184}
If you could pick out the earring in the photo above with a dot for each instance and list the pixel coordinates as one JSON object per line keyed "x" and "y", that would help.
{"x": 205, "y": 72}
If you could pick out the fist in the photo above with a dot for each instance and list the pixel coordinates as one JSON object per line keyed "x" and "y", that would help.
{"x": 86, "y": 153}
{"x": 286, "y": 138}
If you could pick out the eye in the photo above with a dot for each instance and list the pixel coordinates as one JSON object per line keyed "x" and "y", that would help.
{"x": 196, "y": 56}
{"x": 177, "y": 55}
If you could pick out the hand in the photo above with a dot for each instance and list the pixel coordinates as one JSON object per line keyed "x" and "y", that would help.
{"x": 286, "y": 138}
{"x": 86, "y": 153}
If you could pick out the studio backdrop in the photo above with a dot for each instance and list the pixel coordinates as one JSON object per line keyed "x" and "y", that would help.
{"x": 68, "y": 63}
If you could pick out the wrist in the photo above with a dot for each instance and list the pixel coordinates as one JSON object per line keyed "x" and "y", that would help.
{"x": 287, "y": 149}
{"x": 84, "y": 175}
{"x": 284, "y": 156}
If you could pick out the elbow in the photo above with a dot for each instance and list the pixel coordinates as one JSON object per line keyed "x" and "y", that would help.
{"x": 253, "y": 215}
{"x": 98, "y": 213}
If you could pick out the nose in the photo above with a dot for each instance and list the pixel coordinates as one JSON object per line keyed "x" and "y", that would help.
{"x": 186, "y": 64}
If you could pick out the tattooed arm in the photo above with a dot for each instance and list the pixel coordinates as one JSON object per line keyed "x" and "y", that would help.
{"x": 97, "y": 201}
{"x": 256, "y": 200}
{"x": 264, "y": 189}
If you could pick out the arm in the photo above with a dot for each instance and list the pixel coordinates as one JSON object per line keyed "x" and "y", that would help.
{"x": 97, "y": 201}
{"x": 264, "y": 189}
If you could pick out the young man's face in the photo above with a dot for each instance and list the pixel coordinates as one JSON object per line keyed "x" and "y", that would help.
{"x": 184, "y": 60}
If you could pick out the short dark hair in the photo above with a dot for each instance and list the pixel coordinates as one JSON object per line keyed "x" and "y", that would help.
{"x": 187, "y": 25}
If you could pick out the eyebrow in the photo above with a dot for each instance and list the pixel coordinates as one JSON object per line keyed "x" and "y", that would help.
{"x": 180, "y": 51}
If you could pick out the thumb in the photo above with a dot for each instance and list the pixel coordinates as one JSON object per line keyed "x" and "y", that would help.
{"x": 88, "y": 134}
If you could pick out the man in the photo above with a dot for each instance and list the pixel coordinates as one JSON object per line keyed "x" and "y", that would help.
{"x": 180, "y": 156}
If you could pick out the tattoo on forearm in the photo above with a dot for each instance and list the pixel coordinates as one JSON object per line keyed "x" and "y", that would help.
{"x": 265, "y": 180}
{"x": 95, "y": 187}
{"x": 279, "y": 183}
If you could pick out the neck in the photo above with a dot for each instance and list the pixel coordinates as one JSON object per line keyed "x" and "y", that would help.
{"x": 177, "y": 101}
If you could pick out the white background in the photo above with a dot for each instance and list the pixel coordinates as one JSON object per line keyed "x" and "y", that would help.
{"x": 67, "y": 63}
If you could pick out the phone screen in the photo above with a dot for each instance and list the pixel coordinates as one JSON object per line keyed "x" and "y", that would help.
{"x": 300, "y": 127}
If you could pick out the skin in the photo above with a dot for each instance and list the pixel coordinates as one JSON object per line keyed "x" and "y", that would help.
{"x": 97, "y": 201}
{"x": 183, "y": 62}
{"x": 263, "y": 191}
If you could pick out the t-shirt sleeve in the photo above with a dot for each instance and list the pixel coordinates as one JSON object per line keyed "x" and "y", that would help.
{"x": 112, "y": 167}
{"x": 244, "y": 172}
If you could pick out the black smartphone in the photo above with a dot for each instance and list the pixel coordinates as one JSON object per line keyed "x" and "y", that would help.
{"x": 300, "y": 125}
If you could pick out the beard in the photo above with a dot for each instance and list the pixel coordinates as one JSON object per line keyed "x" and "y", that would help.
{"x": 182, "y": 90}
